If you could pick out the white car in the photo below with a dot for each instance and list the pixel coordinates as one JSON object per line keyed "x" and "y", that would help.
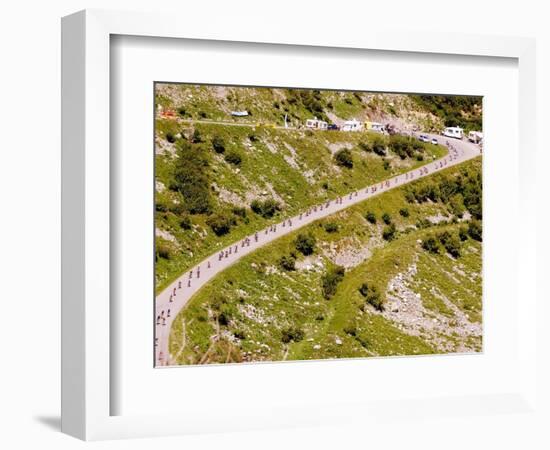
{"x": 434, "y": 141}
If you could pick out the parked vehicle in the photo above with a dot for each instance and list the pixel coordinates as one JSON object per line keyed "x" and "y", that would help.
{"x": 333, "y": 126}
{"x": 316, "y": 124}
{"x": 352, "y": 125}
{"x": 475, "y": 136}
{"x": 453, "y": 132}
{"x": 423, "y": 138}
{"x": 434, "y": 141}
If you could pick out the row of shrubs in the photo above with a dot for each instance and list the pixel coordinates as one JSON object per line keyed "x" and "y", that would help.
{"x": 462, "y": 191}
{"x": 450, "y": 241}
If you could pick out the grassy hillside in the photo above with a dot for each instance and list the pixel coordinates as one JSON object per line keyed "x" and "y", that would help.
{"x": 216, "y": 184}
{"x": 398, "y": 274}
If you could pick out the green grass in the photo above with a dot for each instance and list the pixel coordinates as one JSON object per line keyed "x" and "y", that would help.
{"x": 264, "y": 300}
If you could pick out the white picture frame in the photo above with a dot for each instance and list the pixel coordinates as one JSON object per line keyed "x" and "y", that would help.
{"x": 87, "y": 385}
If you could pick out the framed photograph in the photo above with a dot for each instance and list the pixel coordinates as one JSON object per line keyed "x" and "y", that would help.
{"x": 280, "y": 226}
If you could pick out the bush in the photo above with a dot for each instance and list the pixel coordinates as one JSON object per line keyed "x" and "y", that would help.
{"x": 305, "y": 243}
{"x": 431, "y": 244}
{"x": 220, "y": 223}
{"x": 371, "y": 217}
{"x": 185, "y": 222}
{"x": 191, "y": 178}
{"x": 182, "y": 112}
{"x": 163, "y": 249}
{"x": 386, "y": 218}
{"x": 387, "y": 164}
{"x": 239, "y": 211}
{"x": 266, "y": 208}
{"x": 292, "y": 334}
{"x": 350, "y": 330}
{"x": 463, "y": 233}
{"x": 475, "y": 230}
{"x": 288, "y": 263}
{"x": 330, "y": 281}
{"x": 404, "y": 146}
{"x": 160, "y": 207}
{"x": 344, "y": 158}
{"x": 218, "y": 144}
{"x": 253, "y": 138}
{"x": 404, "y": 212}
{"x": 233, "y": 157}
{"x": 170, "y": 138}
{"x": 197, "y": 137}
{"x": 372, "y": 296}
{"x": 331, "y": 227}
{"x": 450, "y": 242}
{"x": 389, "y": 232}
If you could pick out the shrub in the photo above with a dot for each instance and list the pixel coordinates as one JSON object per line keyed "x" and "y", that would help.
{"x": 387, "y": 164}
{"x": 266, "y": 208}
{"x": 292, "y": 334}
{"x": 450, "y": 242}
{"x": 371, "y": 217}
{"x": 220, "y": 223}
{"x": 403, "y": 146}
{"x": 288, "y": 263}
{"x": 456, "y": 204}
{"x": 305, "y": 243}
{"x": 475, "y": 230}
{"x": 163, "y": 249}
{"x": 331, "y": 227}
{"x": 344, "y": 158}
{"x": 191, "y": 178}
{"x": 160, "y": 207}
{"x": 389, "y": 232}
{"x": 330, "y": 281}
{"x": 463, "y": 233}
{"x": 170, "y": 137}
{"x": 372, "y": 296}
{"x": 233, "y": 157}
{"x": 239, "y": 211}
{"x": 182, "y": 112}
{"x": 350, "y": 330}
{"x": 197, "y": 137}
{"x": 386, "y": 218}
{"x": 218, "y": 144}
{"x": 185, "y": 222}
{"x": 404, "y": 212}
{"x": 431, "y": 244}
{"x": 203, "y": 115}
{"x": 253, "y": 138}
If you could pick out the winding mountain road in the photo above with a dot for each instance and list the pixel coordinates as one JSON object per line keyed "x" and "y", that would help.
{"x": 174, "y": 298}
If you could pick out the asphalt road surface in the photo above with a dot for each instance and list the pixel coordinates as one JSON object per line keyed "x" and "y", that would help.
{"x": 174, "y": 298}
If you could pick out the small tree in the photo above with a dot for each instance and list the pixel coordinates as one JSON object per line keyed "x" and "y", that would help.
{"x": 218, "y": 144}
{"x": 431, "y": 244}
{"x": 197, "y": 137}
{"x": 372, "y": 296}
{"x": 389, "y": 232}
{"x": 292, "y": 334}
{"x": 185, "y": 222}
{"x": 220, "y": 223}
{"x": 233, "y": 157}
{"x": 305, "y": 243}
{"x": 371, "y": 217}
{"x": 475, "y": 230}
{"x": 404, "y": 212}
{"x": 344, "y": 158}
{"x": 170, "y": 137}
{"x": 330, "y": 281}
{"x": 331, "y": 227}
{"x": 386, "y": 218}
{"x": 288, "y": 263}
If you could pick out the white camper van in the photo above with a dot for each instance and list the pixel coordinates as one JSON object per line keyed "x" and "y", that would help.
{"x": 316, "y": 124}
{"x": 475, "y": 136}
{"x": 352, "y": 125}
{"x": 453, "y": 132}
